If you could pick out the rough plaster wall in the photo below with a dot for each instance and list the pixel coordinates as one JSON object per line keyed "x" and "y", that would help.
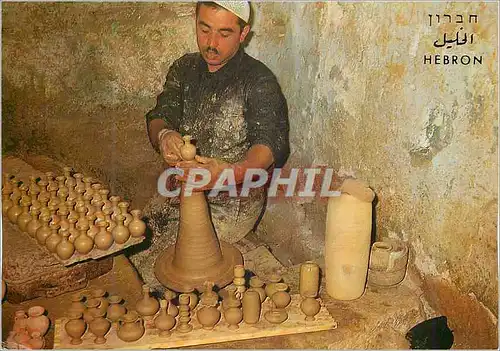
{"x": 78, "y": 79}
{"x": 424, "y": 136}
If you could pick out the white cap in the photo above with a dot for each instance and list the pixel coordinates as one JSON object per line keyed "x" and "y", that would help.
{"x": 239, "y": 8}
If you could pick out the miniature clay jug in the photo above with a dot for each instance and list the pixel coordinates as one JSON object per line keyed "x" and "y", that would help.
{"x": 115, "y": 309}
{"x": 309, "y": 279}
{"x": 35, "y": 223}
{"x": 65, "y": 249}
{"x": 130, "y": 327}
{"x": 270, "y": 286}
{"x": 347, "y": 240}
{"x": 36, "y": 342}
{"x": 148, "y": 305}
{"x": 310, "y": 307}
{"x": 83, "y": 243}
{"x": 208, "y": 316}
{"x": 76, "y": 303}
{"x": 20, "y": 320}
{"x": 163, "y": 321}
{"x": 37, "y": 321}
{"x": 137, "y": 227}
{"x": 6, "y": 202}
{"x": 15, "y": 210}
{"x": 123, "y": 206}
{"x": 230, "y": 299}
{"x": 115, "y": 200}
{"x": 233, "y": 316}
{"x": 53, "y": 239}
{"x": 209, "y": 297}
{"x": 75, "y": 327}
{"x": 188, "y": 150}
{"x": 25, "y": 217}
{"x": 172, "y": 310}
{"x": 258, "y": 285}
{"x": 251, "y": 306}
{"x": 100, "y": 294}
{"x": 99, "y": 326}
{"x": 120, "y": 233}
{"x": 92, "y": 307}
{"x": 104, "y": 239}
{"x": 44, "y": 231}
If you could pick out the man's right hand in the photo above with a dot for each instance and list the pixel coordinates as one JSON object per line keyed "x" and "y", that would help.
{"x": 170, "y": 143}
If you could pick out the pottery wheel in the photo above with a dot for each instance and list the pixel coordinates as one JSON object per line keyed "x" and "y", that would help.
{"x": 181, "y": 280}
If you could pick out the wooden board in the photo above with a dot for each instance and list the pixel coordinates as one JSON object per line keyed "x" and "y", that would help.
{"x": 295, "y": 324}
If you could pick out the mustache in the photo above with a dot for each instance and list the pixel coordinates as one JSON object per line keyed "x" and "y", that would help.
{"x": 211, "y": 49}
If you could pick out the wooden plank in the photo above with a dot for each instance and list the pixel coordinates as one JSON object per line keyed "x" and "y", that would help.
{"x": 295, "y": 324}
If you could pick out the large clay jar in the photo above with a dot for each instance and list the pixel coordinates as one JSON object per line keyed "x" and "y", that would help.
{"x": 75, "y": 327}
{"x": 163, "y": 321}
{"x": 309, "y": 279}
{"x": 99, "y": 326}
{"x": 131, "y": 327}
{"x": 188, "y": 150}
{"x": 347, "y": 240}
{"x": 137, "y": 227}
{"x": 148, "y": 305}
{"x": 258, "y": 285}
{"x": 37, "y": 321}
{"x": 208, "y": 316}
{"x": 115, "y": 309}
{"x": 251, "y": 306}
{"x": 120, "y": 233}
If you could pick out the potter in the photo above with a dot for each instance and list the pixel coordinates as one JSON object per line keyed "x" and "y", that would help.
{"x": 232, "y": 107}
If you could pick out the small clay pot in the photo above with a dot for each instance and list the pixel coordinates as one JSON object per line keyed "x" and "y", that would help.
{"x": 208, "y": 316}
{"x": 163, "y": 321}
{"x": 233, "y": 316}
{"x": 37, "y": 321}
{"x": 75, "y": 327}
{"x": 115, "y": 309}
{"x": 137, "y": 227}
{"x": 131, "y": 327}
{"x": 188, "y": 150}
{"x": 310, "y": 307}
{"x": 99, "y": 326}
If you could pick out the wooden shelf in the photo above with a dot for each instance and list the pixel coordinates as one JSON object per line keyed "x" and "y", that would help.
{"x": 295, "y": 324}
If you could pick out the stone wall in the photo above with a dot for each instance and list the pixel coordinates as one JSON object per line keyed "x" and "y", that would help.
{"x": 78, "y": 79}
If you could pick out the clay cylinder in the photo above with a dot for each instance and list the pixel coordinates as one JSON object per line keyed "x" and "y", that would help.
{"x": 251, "y": 306}
{"x": 347, "y": 240}
{"x": 309, "y": 279}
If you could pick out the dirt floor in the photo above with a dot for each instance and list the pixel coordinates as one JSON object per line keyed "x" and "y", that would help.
{"x": 378, "y": 320}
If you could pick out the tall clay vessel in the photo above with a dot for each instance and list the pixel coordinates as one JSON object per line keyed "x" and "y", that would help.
{"x": 197, "y": 255}
{"x": 347, "y": 240}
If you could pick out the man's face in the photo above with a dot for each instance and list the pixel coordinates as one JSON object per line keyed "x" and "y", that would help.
{"x": 219, "y": 35}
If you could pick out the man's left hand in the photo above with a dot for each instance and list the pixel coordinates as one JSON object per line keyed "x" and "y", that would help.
{"x": 214, "y": 166}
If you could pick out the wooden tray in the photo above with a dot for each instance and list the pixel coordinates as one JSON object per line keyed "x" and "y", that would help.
{"x": 295, "y": 324}
{"x": 78, "y": 257}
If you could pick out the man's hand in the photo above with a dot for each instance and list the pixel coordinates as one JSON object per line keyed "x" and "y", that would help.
{"x": 170, "y": 143}
{"x": 214, "y": 166}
